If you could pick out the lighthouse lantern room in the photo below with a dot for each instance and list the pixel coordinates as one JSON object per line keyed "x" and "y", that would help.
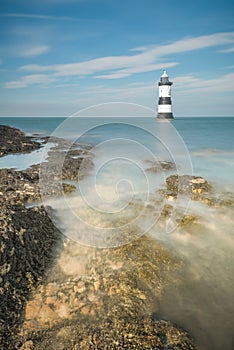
{"x": 164, "y": 101}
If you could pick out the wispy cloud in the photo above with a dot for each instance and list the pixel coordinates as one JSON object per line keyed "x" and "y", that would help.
{"x": 40, "y": 16}
{"x": 132, "y": 70}
{"x": 116, "y": 67}
{"x": 29, "y": 80}
{"x": 28, "y": 50}
{"x": 231, "y": 49}
{"x": 192, "y": 84}
{"x": 137, "y": 63}
{"x": 34, "y": 50}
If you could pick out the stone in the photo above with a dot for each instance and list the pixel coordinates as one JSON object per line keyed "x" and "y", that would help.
{"x": 187, "y": 185}
{"x": 51, "y": 289}
{"x": 159, "y": 166}
{"x": 28, "y": 345}
{"x": 13, "y": 140}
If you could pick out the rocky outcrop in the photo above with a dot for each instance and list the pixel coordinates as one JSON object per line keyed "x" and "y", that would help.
{"x": 198, "y": 189}
{"x": 187, "y": 185}
{"x": 29, "y": 241}
{"x": 28, "y": 246}
{"x": 13, "y": 140}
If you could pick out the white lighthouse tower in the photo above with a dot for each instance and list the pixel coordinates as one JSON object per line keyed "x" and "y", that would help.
{"x": 164, "y": 101}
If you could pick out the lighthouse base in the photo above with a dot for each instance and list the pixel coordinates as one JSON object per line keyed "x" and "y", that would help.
{"x": 165, "y": 116}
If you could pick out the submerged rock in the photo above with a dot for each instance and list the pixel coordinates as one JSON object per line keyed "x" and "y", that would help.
{"x": 193, "y": 186}
{"x": 159, "y": 166}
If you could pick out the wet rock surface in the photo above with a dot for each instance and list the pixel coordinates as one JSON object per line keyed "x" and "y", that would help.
{"x": 187, "y": 185}
{"x": 13, "y": 140}
{"x": 198, "y": 189}
{"x": 107, "y": 304}
{"x": 29, "y": 241}
{"x": 28, "y": 245}
{"x": 159, "y": 166}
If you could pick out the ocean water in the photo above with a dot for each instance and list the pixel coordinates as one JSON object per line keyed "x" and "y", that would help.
{"x": 209, "y": 140}
{"x": 124, "y": 149}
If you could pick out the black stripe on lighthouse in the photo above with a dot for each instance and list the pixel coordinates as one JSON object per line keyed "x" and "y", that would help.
{"x": 164, "y": 101}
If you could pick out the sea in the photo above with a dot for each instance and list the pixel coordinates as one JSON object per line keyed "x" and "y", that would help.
{"x": 125, "y": 151}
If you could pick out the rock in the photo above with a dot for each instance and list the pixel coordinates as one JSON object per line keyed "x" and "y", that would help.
{"x": 13, "y": 140}
{"x": 51, "y": 289}
{"x": 28, "y": 345}
{"x": 191, "y": 224}
{"x": 135, "y": 333}
{"x": 226, "y": 199}
{"x": 187, "y": 185}
{"x": 166, "y": 211}
{"x": 160, "y": 166}
{"x": 106, "y": 308}
{"x": 29, "y": 244}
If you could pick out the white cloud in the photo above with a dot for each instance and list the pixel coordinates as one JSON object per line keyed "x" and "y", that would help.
{"x": 132, "y": 70}
{"x": 147, "y": 60}
{"x": 34, "y": 68}
{"x": 29, "y": 80}
{"x": 34, "y": 50}
{"x": 231, "y": 49}
{"x": 116, "y": 67}
{"x": 191, "y": 84}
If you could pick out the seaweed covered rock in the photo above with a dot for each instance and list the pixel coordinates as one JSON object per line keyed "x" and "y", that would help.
{"x": 28, "y": 245}
{"x": 88, "y": 333}
{"x": 19, "y": 187}
{"x": 13, "y": 140}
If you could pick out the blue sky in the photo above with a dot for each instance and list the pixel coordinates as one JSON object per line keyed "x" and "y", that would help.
{"x": 58, "y": 56}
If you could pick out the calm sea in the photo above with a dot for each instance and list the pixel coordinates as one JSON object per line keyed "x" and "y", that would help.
{"x": 202, "y": 301}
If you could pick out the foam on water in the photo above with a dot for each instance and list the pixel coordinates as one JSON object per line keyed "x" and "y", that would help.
{"x": 202, "y": 301}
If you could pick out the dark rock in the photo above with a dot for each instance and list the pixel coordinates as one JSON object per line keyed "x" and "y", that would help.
{"x": 13, "y": 140}
{"x": 76, "y": 163}
{"x": 29, "y": 244}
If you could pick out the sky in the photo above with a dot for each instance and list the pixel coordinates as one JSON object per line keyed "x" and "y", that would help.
{"x": 59, "y": 56}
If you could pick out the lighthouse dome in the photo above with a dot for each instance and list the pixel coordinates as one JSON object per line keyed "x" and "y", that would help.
{"x": 164, "y": 75}
{"x": 164, "y": 79}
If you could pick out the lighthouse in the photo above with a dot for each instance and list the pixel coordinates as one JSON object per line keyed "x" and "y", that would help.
{"x": 164, "y": 101}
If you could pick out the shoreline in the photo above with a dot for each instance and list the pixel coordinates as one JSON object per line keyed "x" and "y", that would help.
{"x": 110, "y": 295}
